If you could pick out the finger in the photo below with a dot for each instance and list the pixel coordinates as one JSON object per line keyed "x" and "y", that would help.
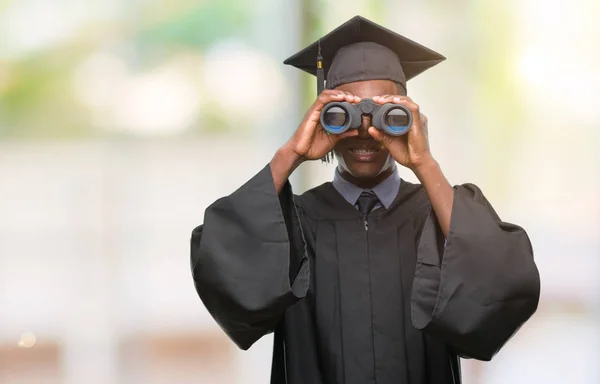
{"x": 407, "y": 102}
{"x": 382, "y": 99}
{"x": 327, "y": 96}
{"x": 377, "y": 135}
{"x": 351, "y": 98}
{"x": 424, "y": 121}
{"x": 349, "y": 133}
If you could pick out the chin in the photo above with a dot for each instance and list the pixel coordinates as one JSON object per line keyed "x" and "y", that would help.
{"x": 365, "y": 170}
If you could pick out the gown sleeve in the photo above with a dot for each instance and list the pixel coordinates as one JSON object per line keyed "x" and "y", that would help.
{"x": 249, "y": 260}
{"x": 478, "y": 289}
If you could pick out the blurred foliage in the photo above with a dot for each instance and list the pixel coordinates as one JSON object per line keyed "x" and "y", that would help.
{"x": 199, "y": 26}
{"x": 497, "y": 90}
{"x": 37, "y": 101}
{"x": 36, "y": 98}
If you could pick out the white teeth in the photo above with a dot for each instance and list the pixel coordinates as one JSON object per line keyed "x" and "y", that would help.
{"x": 364, "y": 151}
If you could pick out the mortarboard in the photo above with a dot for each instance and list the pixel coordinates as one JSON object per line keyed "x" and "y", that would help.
{"x": 361, "y": 50}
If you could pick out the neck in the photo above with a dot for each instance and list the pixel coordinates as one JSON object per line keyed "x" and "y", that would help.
{"x": 366, "y": 183}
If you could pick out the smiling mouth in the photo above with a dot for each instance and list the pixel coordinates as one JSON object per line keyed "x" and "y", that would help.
{"x": 364, "y": 155}
{"x": 365, "y": 151}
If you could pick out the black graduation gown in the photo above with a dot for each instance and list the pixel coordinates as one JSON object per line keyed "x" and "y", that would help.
{"x": 390, "y": 304}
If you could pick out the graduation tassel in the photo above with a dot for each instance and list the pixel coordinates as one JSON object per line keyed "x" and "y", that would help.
{"x": 320, "y": 71}
{"x": 321, "y": 85}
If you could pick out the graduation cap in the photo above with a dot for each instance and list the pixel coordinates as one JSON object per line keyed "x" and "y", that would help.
{"x": 361, "y": 50}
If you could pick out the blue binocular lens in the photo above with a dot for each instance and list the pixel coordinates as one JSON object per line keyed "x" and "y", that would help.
{"x": 334, "y": 120}
{"x": 397, "y": 121}
{"x": 394, "y": 119}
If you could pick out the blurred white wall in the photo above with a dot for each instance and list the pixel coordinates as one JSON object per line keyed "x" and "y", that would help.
{"x": 94, "y": 246}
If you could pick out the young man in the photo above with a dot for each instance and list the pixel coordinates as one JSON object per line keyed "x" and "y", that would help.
{"x": 369, "y": 278}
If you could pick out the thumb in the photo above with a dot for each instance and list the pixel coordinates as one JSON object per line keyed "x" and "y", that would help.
{"x": 378, "y": 135}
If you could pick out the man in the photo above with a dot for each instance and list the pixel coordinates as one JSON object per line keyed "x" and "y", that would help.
{"x": 369, "y": 278}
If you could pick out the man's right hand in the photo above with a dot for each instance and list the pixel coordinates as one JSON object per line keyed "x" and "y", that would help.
{"x": 310, "y": 141}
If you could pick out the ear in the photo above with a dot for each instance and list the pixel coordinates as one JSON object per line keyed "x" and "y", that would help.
{"x": 401, "y": 89}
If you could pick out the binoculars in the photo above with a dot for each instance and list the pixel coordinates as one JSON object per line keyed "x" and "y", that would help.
{"x": 338, "y": 117}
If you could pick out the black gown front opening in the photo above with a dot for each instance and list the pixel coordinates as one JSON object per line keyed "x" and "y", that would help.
{"x": 396, "y": 303}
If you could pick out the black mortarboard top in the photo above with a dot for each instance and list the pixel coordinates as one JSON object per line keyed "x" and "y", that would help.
{"x": 361, "y": 50}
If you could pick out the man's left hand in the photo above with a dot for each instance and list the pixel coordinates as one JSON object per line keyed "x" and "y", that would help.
{"x": 411, "y": 149}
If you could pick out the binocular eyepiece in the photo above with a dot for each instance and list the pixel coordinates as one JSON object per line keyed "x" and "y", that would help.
{"x": 338, "y": 117}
